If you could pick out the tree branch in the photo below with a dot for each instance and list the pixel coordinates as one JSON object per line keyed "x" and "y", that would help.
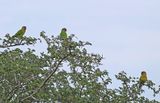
{"x": 12, "y": 45}
{"x": 46, "y": 80}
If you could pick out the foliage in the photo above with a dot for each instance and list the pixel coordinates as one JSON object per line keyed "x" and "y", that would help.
{"x": 67, "y": 71}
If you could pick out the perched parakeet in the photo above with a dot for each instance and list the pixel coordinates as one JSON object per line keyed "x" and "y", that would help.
{"x": 21, "y": 32}
{"x": 142, "y": 79}
{"x": 63, "y": 34}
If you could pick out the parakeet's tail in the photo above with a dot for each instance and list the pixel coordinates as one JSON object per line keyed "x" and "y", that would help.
{"x": 14, "y": 36}
{"x": 140, "y": 85}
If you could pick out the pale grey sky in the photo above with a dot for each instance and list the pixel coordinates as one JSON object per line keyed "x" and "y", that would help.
{"x": 126, "y": 32}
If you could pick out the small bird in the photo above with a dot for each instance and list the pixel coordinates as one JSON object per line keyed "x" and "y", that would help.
{"x": 142, "y": 79}
{"x": 63, "y": 34}
{"x": 20, "y": 33}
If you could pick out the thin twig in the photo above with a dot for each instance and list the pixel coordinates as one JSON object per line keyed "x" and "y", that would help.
{"x": 46, "y": 80}
{"x": 12, "y": 45}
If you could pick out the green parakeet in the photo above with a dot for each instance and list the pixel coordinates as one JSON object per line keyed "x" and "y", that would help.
{"x": 63, "y": 34}
{"x": 142, "y": 79}
{"x": 20, "y": 32}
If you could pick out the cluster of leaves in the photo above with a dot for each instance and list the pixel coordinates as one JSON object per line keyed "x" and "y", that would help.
{"x": 66, "y": 72}
{"x": 10, "y": 41}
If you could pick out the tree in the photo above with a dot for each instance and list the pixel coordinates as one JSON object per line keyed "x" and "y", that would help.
{"x": 67, "y": 71}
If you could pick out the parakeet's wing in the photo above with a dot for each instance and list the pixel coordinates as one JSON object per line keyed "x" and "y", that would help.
{"x": 20, "y": 33}
{"x": 63, "y": 35}
{"x": 142, "y": 80}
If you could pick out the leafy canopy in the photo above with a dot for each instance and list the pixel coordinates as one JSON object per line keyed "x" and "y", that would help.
{"x": 66, "y": 72}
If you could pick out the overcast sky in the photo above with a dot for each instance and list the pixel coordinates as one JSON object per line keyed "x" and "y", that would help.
{"x": 125, "y": 32}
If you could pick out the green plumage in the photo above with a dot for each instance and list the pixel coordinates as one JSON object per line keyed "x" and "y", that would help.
{"x": 63, "y": 34}
{"x": 20, "y": 33}
{"x": 142, "y": 79}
